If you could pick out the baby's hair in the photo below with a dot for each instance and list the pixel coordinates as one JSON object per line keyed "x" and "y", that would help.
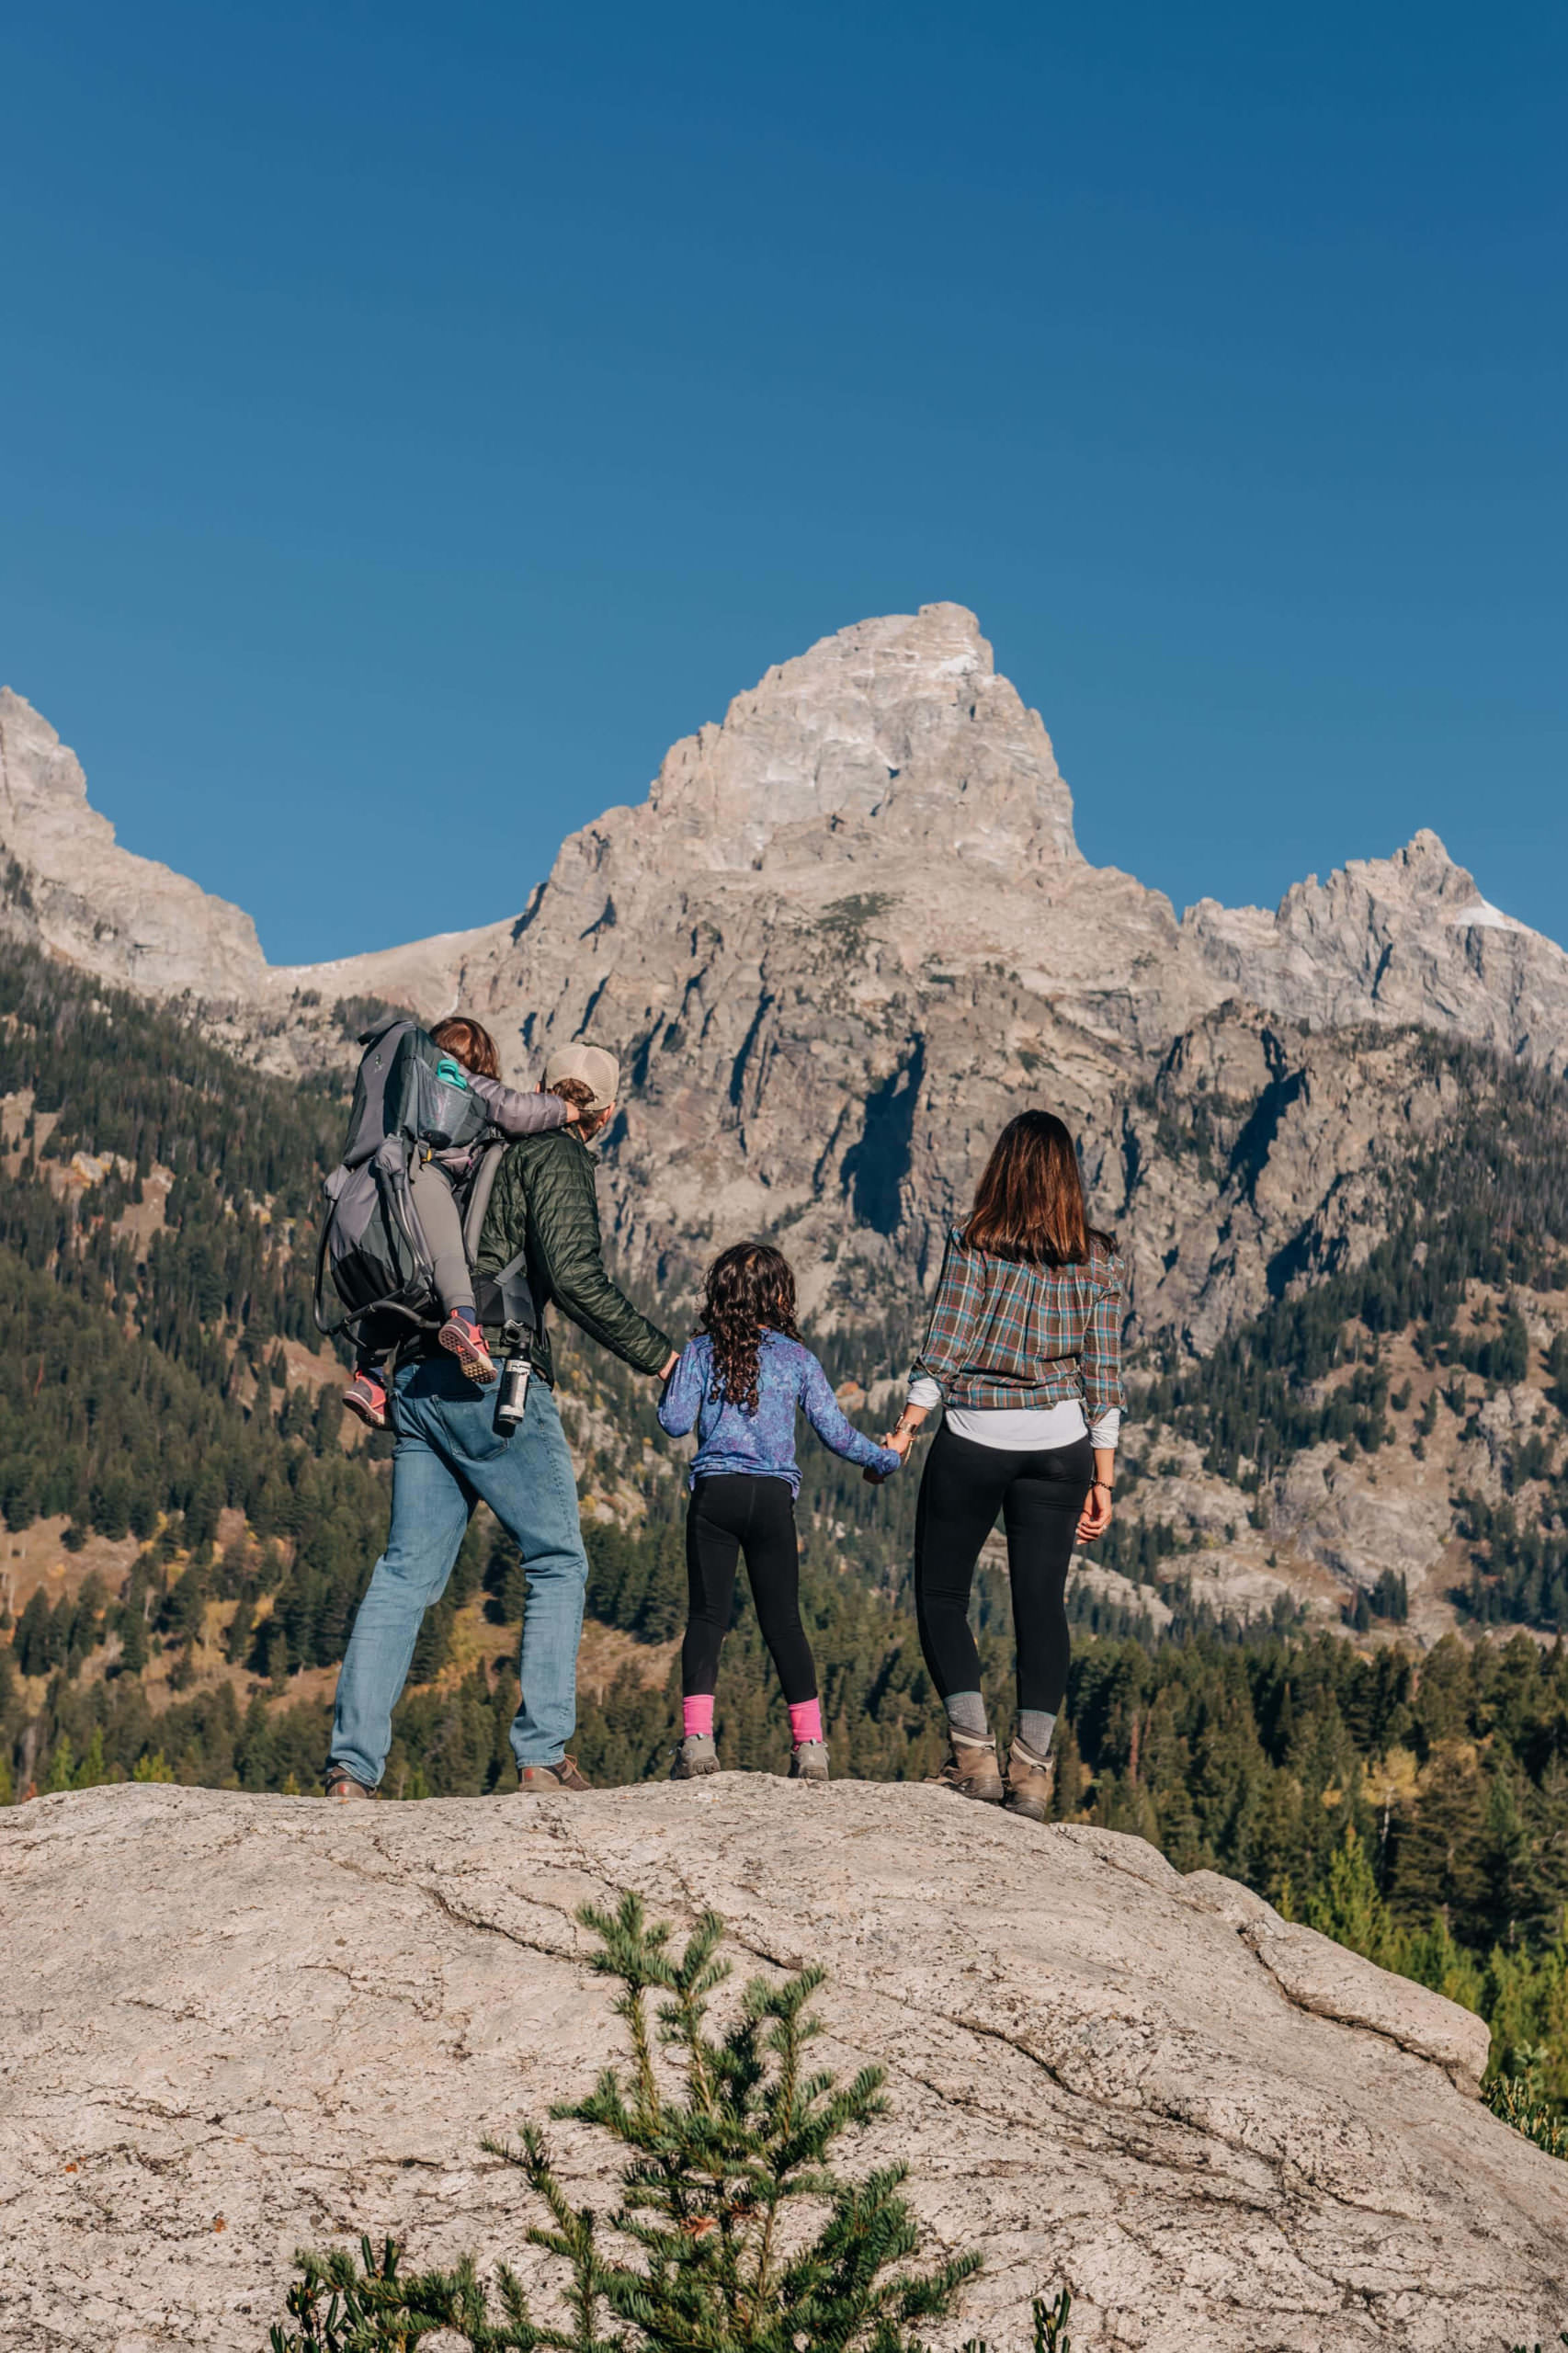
{"x": 468, "y": 1043}
{"x": 749, "y": 1289}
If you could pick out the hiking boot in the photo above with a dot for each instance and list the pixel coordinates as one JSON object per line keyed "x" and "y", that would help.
{"x": 341, "y": 1784}
{"x": 970, "y": 1769}
{"x": 1030, "y": 1781}
{"x": 809, "y": 1761}
{"x": 697, "y": 1754}
{"x": 365, "y": 1398}
{"x": 538, "y": 1780}
{"x": 461, "y": 1337}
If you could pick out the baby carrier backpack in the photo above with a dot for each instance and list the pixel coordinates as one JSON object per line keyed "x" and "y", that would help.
{"x": 407, "y": 1095}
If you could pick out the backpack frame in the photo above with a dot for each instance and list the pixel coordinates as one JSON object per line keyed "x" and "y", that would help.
{"x": 406, "y": 1094}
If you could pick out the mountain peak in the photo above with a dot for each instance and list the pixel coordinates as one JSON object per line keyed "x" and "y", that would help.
{"x": 897, "y": 734}
{"x": 1404, "y": 938}
{"x": 99, "y": 906}
{"x": 35, "y": 765}
{"x": 880, "y": 804}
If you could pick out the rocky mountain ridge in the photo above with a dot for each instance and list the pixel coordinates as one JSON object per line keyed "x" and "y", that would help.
{"x": 846, "y": 934}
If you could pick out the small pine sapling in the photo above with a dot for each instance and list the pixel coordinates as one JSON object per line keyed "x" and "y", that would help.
{"x": 1050, "y": 2327}
{"x": 377, "y": 2309}
{"x": 699, "y": 2252}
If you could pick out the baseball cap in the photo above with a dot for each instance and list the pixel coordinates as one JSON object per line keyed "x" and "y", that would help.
{"x": 594, "y": 1065}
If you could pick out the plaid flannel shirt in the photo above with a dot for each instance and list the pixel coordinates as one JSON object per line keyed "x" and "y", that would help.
{"x": 1003, "y": 1331}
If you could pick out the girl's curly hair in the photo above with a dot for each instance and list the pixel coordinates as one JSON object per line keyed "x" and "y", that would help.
{"x": 749, "y": 1290}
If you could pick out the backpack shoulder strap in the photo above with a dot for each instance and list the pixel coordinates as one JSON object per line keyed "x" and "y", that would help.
{"x": 479, "y": 1194}
{"x": 513, "y": 1293}
{"x": 506, "y": 1296}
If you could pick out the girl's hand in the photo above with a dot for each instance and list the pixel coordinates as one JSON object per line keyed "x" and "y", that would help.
{"x": 897, "y": 1442}
{"x": 1095, "y": 1517}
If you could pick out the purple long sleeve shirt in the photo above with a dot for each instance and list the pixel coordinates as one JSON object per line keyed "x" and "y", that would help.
{"x": 731, "y": 1442}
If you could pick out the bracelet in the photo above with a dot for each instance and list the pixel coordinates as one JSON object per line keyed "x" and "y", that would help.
{"x": 1105, "y": 1484}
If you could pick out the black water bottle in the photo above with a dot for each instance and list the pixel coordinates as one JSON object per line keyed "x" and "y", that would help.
{"x": 512, "y": 1394}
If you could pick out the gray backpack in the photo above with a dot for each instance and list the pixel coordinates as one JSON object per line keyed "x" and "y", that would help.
{"x": 406, "y": 1094}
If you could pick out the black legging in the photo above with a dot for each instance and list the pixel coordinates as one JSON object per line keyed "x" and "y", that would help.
{"x": 1041, "y": 1497}
{"x": 729, "y": 1516}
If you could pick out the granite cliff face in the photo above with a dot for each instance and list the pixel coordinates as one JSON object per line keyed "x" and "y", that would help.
{"x": 69, "y": 885}
{"x": 1407, "y": 938}
{"x": 247, "y": 2024}
{"x": 845, "y": 936}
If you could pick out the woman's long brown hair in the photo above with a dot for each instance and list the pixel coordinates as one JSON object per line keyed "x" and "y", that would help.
{"x": 1029, "y": 1202}
{"x": 470, "y": 1043}
{"x": 750, "y": 1288}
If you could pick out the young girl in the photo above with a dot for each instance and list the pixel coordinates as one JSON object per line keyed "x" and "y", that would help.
{"x": 432, "y": 1177}
{"x": 739, "y": 1382}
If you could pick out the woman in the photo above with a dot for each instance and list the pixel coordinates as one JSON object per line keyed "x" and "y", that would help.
{"x": 1023, "y": 1353}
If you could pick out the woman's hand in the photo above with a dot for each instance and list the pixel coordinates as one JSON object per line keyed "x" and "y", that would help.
{"x": 898, "y": 1441}
{"x": 1095, "y": 1517}
{"x": 901, "y": 1438}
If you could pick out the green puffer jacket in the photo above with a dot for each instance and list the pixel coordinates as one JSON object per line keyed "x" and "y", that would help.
{"x": 544, "y": 1200}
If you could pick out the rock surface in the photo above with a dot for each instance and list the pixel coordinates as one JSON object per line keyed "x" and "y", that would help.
{"x": 1402, "y": 938}
{"x": 238, "y": 2025}
{"x": 73, "y": 888}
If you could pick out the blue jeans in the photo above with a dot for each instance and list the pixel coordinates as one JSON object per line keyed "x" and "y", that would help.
{"x": 449, "y": 1457}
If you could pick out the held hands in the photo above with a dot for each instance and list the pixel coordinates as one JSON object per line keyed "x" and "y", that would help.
{"x": 900, "y": 1441}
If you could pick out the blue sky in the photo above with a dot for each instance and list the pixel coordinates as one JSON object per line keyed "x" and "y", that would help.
{"x": 416, "y": 418}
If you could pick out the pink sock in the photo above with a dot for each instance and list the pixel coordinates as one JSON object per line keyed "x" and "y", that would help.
{"x": 697, "y": 1715}
{"x": 805, "y": 1720}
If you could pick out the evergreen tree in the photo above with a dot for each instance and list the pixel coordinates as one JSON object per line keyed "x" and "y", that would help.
{"x": 714, "y": 2164}
{"x": 1349, "y": 1909}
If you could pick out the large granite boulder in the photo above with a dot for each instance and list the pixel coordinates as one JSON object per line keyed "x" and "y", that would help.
{"x": 239, "y": 2025}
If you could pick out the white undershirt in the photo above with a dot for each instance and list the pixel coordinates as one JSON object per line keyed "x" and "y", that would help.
{"x": 1020, "y": 1429}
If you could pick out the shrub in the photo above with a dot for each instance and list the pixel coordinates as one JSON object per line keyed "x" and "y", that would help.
{"x": 695, "y": 2254}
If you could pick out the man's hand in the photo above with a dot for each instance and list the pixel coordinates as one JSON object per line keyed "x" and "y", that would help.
{"x": 669, "y": 1366}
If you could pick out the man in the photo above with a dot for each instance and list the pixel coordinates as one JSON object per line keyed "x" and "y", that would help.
{"x": 451, "y": 1454}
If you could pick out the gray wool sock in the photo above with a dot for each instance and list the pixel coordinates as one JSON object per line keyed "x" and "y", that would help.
{"x": 966, "y": 1714}
{"x": 1035, "y": 1728}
